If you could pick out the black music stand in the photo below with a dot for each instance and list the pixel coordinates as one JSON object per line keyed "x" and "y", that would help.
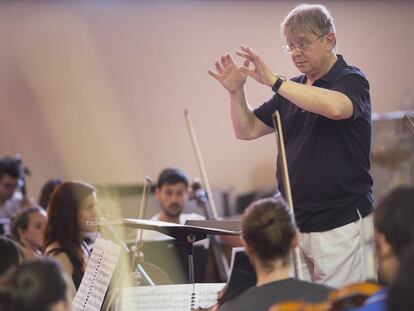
{"x": 184, "y": 233}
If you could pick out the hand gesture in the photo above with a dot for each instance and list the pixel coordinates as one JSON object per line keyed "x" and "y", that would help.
{"x": 231, "y": 76}
{"x": 261, "y": 73}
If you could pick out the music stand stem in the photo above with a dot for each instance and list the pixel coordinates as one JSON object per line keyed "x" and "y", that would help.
{"x": 190, "y": 255}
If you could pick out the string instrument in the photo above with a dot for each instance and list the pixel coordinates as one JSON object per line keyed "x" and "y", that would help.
{"x": 347, "y": 298}
{"x": 208, "y": 205}
{"x": 277, "y": 124}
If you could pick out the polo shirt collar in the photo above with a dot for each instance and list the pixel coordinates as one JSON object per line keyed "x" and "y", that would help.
{"x": 334, "y": 71}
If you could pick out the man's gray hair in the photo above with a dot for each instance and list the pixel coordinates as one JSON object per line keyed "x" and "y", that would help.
{"x": 308, "y": 19}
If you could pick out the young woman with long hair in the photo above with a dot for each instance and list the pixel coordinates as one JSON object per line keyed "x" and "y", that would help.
{"x": 72, "y": 204}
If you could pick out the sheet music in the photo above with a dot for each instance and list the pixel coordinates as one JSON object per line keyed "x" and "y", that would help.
{"x": 101, "y": 265}
{"x": 179, "y": 297}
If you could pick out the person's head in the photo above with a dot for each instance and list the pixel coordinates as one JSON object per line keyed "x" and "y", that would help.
{"x": 393, "y": 229}
{"x": 9, "y": 177}
{"x": 172, "y": 191}
{"x": 10, "y": 255}
{"x": 36, "y": 285}
{"x": 47, "y": 190}
{"x": 309, "y": 32}
{"x": 28, "y": 227}
{"x": 72, "y": 204}
{"x": 268, "y": 232}
{"x": 400, "y": 295}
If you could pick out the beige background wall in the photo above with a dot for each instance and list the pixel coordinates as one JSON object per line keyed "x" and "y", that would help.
{"x": 96, "y": 90}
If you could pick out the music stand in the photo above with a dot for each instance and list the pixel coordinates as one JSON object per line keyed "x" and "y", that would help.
{"x": 184, "y": 233}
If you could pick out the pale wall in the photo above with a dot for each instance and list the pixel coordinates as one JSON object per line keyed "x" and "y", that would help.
{"x": 96, "y": 90}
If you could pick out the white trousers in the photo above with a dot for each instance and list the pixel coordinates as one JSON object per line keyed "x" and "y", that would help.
{"x": 340, "y": 256}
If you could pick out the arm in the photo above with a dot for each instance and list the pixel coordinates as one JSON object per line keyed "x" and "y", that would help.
{"x": 330, "y": 104}
{"x": 245, "y": 124}
{"x": 65, "y": 263}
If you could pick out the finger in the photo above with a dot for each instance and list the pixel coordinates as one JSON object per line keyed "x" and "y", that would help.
{"x": 246, "y": 56}
{"x": 248, "y": 50}
{"x": 223, "y": 60}
{"x": 218, "y": 67}
{"x": 214, "y": 75}
{"x": 246, "y": 63}
{"x": 229, "y": 59}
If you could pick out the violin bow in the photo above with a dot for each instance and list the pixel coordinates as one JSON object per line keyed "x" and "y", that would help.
{"x": 277, "y": 124}
{"x": 137, "y": 248}
{"x": 142, "y": 209}
{"x": 206, "y": 185}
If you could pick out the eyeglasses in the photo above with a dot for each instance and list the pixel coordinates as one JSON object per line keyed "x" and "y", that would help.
{"x": 300, "y": 47}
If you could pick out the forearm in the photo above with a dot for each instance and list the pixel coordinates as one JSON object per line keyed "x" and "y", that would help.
{"x": 241, "y": 114}
{"x": 328, "y": 103}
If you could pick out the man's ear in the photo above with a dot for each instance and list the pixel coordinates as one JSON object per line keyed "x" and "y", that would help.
{"x": 295, "y": 240}
{"x": 331, "y": 37}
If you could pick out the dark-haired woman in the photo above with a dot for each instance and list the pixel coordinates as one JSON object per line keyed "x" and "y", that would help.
{"x": 269, "y": 234}
{"x": 72, "y": 204}
{"x": 28, "y": 228}
{"x": 36, "y": 285}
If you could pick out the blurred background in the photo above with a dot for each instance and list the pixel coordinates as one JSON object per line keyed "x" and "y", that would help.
{"x": 96, "y": 90}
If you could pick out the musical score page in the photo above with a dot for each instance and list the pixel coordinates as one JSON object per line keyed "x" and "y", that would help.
{"x": 180, "y": 297}
{"x": 95, "y": 281}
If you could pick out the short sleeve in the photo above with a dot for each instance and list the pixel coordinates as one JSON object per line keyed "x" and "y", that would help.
{"x": 356, "y": 87}
{"x": 265, "y": 111}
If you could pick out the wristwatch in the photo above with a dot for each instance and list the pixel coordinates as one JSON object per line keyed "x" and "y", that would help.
{"x": 278, "y": 83}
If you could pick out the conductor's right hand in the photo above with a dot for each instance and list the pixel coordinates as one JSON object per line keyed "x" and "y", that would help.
{"x": 229, "y": 74}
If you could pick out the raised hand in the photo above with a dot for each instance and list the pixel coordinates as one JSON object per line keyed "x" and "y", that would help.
{"x": 261, "y": 73}
{"x": 231, "y": 76}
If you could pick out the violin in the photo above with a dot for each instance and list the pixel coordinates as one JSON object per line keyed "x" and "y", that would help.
{"x": 347, "y": 298}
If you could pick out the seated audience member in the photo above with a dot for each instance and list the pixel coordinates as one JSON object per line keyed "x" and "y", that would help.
{"x": 46, "y": 192}
{"x": 11, "y": 200}
{"x": 39, "y": 285}
{"x": 28, "y": 228}
{"x": 401, "y": 294}
{"x": 10, "y": 256}
{"x": 72, "y": 204}
{"x": 269, "y": 234}
{"x": 393, "y": 233}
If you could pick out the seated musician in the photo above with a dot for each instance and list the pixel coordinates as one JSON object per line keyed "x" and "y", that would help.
{"x": 28, "y": 228}
{"x": 393, "y": 233}
{"x": 172, "y": 193}
{"x": 73, "y": 203}
{"x": 36, "y": 285}
{"x": 269, "y": 234}
{"x": 400, "y": 295}
{"x": 11, "y": 199}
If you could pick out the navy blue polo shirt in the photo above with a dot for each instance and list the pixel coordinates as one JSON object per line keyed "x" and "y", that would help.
{"x": 328, "y": 160}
